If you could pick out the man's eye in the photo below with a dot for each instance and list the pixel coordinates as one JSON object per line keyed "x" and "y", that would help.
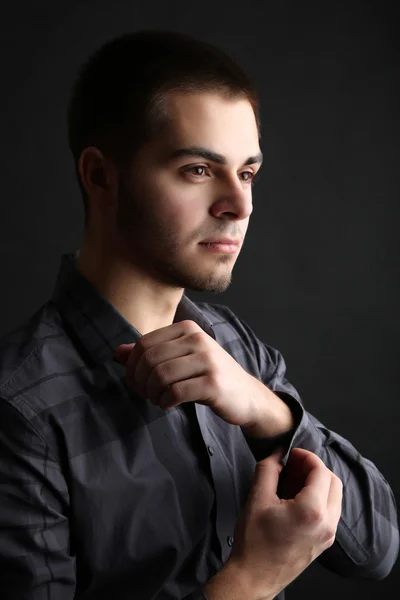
{"x": 197, "y": 171}
{"x": 248, "y": 175}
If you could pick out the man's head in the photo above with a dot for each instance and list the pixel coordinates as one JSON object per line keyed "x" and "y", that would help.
{"x": 164, "y": 132}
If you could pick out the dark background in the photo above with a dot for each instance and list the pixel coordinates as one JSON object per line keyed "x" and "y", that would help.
{"x": 318, "y": 276}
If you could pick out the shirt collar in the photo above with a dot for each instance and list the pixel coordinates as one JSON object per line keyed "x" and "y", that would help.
{"x": 95, "y": 321}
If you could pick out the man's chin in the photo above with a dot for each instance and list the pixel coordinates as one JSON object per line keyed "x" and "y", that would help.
{"x": 211, "y": 284}
{"x": 197, "y": 282}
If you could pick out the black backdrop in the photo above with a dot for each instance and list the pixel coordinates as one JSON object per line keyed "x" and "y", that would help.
{"x": 318, "y": 276}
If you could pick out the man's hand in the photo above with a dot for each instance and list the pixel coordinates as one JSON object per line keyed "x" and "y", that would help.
{"x": 182, "y": 363}
{"x": 275, "y": 538}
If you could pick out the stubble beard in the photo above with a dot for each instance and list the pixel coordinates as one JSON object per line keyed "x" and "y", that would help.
{"x": 157, "y": 249}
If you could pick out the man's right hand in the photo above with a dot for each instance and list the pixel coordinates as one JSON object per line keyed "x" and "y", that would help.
{"x": 276, "y": 538}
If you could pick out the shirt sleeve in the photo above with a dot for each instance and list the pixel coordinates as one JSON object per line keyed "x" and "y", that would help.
{"x": 367, "y": 538}
{"x": 35, "y": 560}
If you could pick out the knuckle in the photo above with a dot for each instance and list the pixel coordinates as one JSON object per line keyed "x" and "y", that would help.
{"x": 149, "y": 356}
{"x": 143, "y": 344}
{"x": 329, "y": 538}
{"x": 330, "y": 534}
{"x": 176, "y": 392}
{"x": 190, "y": 326}
{"x": 161, "y": 371}
{"x": 198, "y": 337}
{"x": 313, "y": 515}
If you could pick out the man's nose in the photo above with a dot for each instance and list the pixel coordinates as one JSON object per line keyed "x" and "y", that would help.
{"x": 233, "y": 201}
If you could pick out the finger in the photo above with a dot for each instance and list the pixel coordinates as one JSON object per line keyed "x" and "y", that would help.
{"x": 141, "y": 372}
{"x": 174, "y": 371}
{"x": 313, "y": 497}
{"x": 196, "y": 389}
{"x": 335, "y": 498}
{"x": 302, "y": 461}
{"x": 291, "y": 482}
{"x": 265, "y": 481}
{"x": 158, "y": 337}
{"x": 295, "y": 472}
{"x": 168, "y": 333}
{"x": 123, "y": 351}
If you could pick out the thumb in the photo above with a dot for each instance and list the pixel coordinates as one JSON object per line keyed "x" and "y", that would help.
{"x": 123, "y": 351}
{"x": 266, "y": 479}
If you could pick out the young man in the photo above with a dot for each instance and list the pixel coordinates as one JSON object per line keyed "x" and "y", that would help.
{"x": 151, "y": 447}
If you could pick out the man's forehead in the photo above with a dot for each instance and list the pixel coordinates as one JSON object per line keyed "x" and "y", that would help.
{"x": 187, "y": 113}
{"x": 208, "y": 132}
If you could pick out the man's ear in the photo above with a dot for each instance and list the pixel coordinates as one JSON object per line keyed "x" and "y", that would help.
{"x": 97, "y": 173}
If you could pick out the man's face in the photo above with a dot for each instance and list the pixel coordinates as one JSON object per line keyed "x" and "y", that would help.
{"x": 190, "y": 185}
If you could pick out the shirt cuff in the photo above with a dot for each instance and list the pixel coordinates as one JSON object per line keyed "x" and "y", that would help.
{"x": 263, "y": 447}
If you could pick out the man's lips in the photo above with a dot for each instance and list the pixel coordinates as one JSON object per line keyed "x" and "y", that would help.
{"x": 225, "y": 245}
{"x": 227, "y": 241}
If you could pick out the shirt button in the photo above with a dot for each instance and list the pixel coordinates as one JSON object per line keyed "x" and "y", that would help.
{"x": 230, "y": 541}
{"x": 210, "y": 450}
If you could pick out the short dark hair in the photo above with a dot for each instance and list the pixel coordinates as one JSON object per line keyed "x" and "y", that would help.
{"x": 116, "y": 102}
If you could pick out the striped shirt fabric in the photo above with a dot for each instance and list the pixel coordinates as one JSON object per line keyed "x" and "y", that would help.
{"x": 104, "y": 495}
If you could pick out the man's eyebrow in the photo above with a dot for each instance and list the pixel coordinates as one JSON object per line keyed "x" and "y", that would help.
{"x": 197, "y": 151}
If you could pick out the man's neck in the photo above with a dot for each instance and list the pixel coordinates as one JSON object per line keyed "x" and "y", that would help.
{"x": 144, "y": 303}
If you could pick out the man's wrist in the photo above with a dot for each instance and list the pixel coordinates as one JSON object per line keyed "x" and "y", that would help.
{"x": 261, "y": 447}
{"x": 273, "y": 417}
{"x": 231, "y": 583}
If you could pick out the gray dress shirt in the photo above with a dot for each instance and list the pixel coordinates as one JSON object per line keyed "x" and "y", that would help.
{"x": 103, "y": 495}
